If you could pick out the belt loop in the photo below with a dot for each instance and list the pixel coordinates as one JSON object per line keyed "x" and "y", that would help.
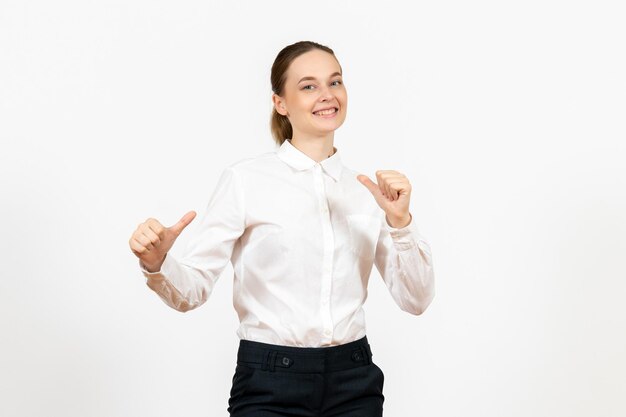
{"x": 266, "y": 361}
{"x": 366, "y": 355}
{"x": 272, "y": 360}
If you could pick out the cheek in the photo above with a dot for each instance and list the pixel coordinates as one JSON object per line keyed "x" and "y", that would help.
{"x": 342, "y": 98}
{"x": 305, "y": 106}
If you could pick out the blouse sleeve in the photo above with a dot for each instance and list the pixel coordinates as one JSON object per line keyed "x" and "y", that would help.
{"x": 404, "y": 261}
{"x": 187, "y": 283}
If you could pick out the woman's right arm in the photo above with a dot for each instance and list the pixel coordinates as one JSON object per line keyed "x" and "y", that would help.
{"x": 186, "y": 283}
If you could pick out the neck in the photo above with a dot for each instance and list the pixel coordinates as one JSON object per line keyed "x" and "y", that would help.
{"x": 316, "y": 148}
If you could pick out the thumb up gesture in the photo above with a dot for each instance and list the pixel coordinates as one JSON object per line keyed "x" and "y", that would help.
{"x": 392, "y": 193}
{"x": 151, "y": 240}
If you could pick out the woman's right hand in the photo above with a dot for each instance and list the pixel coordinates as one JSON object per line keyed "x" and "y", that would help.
{"x": 151, "y": 240}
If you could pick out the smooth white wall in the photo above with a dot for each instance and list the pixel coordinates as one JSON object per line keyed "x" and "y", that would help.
{"x": 508, "y": 119}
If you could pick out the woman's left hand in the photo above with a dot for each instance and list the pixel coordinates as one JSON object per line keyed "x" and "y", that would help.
{"x": 392, "y": 193}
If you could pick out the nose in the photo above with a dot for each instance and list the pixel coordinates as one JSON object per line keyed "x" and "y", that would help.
{"x": 326, "y": 94}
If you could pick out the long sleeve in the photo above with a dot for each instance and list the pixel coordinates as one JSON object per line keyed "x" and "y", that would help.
{"x": 403, "y": 259}
{"x": 186, "y": 283}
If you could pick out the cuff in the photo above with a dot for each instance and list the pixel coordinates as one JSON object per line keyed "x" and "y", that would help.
{"x": 404, "y": 238}
{"x": 161, "y": 274}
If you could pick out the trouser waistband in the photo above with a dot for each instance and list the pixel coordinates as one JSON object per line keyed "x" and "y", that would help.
{"x": 268, "y": 356}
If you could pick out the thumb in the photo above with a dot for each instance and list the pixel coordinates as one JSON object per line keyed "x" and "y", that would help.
{"x": 369, "y": 184}
{"x": 183, "y": 222}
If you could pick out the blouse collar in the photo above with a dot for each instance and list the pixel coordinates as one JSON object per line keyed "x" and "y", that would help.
{"x": 301, "y": 161}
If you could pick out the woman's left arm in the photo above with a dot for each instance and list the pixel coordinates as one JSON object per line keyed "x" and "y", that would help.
{"x": 403, "y": 255}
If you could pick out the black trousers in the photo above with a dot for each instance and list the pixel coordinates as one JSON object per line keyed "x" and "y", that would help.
{"x": 335, "y": 381}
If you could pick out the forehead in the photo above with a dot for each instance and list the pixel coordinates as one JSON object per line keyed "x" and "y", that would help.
{"x": 315, "y": 63}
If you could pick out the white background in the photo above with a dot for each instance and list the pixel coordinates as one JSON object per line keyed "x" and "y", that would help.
{"x": 507, "y": 117}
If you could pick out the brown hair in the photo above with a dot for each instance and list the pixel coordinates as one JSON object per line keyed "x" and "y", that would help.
{"x": 279, "y": 124}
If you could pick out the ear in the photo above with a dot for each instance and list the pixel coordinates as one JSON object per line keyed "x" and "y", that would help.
{"x": 279, "y": 104}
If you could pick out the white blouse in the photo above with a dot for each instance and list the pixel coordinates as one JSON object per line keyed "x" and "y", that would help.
{"x": 302, "y": 237}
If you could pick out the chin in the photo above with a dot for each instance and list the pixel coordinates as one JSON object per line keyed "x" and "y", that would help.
{"x": 330, "y": 128}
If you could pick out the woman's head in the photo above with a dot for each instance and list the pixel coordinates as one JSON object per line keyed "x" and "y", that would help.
{"x": 296, "y": 99}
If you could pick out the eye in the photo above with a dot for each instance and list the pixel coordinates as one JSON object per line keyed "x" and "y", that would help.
{"x": 306, "y": 87}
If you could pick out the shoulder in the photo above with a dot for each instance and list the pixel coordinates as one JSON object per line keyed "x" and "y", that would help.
{"x": 254, "y": 165}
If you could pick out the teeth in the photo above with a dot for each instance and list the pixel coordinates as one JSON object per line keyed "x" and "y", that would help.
{"x": 325, "y": 112}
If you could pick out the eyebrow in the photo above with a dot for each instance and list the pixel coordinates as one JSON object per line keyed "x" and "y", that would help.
{"x": 313, "y": 78}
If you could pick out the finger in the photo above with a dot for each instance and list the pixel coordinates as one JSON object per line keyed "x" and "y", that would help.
{"x": 400, "y": 188}
{"x": 154, "y": 238}
{"x": 155, "y": 226}
{"x": 382, "y": 183}
{"x": 183, "y": 222}
{"x": 137, "y": 247}
{"x": 145, "y": 241}
{"x": 393, "y": 191}
{"x": 398, "y": 184}
{"x": 388, "y": 190}
{"x": 369, "y": 184}
{"x": 391, "y": 177}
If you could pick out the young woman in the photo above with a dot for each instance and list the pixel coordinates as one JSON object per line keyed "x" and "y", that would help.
{"x": 302, "y": 231}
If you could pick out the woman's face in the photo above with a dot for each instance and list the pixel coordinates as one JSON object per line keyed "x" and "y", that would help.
{"x": 313, "y": 83}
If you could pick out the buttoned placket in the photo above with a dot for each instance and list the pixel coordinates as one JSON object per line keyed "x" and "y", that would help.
{"x": 327, "y": 261}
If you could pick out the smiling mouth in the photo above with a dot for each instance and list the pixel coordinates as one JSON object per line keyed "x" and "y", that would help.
{"x": 326, "y": 112}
